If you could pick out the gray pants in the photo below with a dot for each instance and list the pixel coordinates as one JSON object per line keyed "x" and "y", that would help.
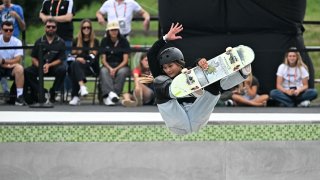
{"x": 114, "y": 84}
{"x": 231, "y": 80}
{"x": 187, "y": 118}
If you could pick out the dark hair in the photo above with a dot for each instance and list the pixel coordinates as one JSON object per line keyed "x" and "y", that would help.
{"x": 6, "y": 23}
{"x": 108, "y": 34}
{"x": 50, "y": 20}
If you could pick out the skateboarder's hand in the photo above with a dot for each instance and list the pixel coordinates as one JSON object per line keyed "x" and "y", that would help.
{"x": 203, "y": 63}
{"x": 174, "y": 30}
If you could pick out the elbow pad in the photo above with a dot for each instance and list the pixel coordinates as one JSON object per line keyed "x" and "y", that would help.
{"x": 162, "y": 88}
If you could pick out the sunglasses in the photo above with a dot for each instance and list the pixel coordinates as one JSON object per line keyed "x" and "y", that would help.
{"x": 86, "y": 27}
{"x": 7, "y": 30}
{"x": 52, "y": 27}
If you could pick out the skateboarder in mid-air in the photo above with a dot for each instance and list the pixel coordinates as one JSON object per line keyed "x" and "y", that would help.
{"x": 190, "y": 113}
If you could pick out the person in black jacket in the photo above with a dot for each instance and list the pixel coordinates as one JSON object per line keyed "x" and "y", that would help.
{"x": 84, "y": 62}
{"x": 52, "y": 49}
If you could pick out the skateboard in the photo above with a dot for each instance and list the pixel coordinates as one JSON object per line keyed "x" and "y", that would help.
{"x": 223, "y": 65}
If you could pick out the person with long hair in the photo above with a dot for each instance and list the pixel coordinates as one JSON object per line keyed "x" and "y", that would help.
{"x": 143, "y": 93}
{"x": 86, "y": 61}
{"x": 247, "y": 93}
{"x": 292, "y": 82}
{"x": 115, "y": 67}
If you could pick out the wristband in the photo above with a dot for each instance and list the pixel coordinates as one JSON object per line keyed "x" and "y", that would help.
{"x": 164, "y": 38}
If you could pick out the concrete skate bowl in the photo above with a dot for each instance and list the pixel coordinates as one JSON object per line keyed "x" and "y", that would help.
{"x": 95, "y": 150}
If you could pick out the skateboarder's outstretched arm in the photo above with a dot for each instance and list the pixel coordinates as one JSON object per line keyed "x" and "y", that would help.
{"x": 158, "y": 45}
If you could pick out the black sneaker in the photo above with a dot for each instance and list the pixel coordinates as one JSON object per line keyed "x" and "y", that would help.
{"x": 20, "y": 101}
{"x": 52, "y": 98}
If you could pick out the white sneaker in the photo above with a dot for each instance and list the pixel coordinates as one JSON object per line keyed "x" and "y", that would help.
{"x": 305, "y": 103}
{"x": 75, "y": 101}
{"x": 107, "y": 101}
{"x": 113, "y": 96}
{"x": 229, "y": 102}
{"x": 83, "y": 91}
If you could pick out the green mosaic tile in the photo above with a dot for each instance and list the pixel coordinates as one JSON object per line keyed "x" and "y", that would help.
{"x": 134, "y": 133}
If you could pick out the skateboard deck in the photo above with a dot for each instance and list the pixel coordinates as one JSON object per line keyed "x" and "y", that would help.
{"x": 219, "y": 67}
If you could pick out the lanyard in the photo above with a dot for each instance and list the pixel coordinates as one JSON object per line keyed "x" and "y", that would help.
{"x": 57, "y": 8}
{"x": 124, "y": 11}
{"x": 294, "y": 76}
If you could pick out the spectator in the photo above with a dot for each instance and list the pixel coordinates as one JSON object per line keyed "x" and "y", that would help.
{"x": 86, "y": 61}
{"x": 188, "y": 114}
{"x": 123, "y": 12}
{"x": 62, "y": 11}
{"x": 247, "y": 93}
{"x": 14, "y": 13}
{"x": 292, "y": 82}
{"x": 11, "y": 59}
{"x": 143, "y": 93}
{"x": 52, "y": 48}
{"x": 115, "y": 63}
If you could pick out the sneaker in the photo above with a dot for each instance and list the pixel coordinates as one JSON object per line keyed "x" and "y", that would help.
{"x": 75, "y": 101}
{"x": 20, "y": 101}
{"x": 245, "y": 71}
{"x": 129, "y": 103}
{"x": 83, "y": 91}
{"x": 228, "y": 102}
{"x": 113, "y": 96}
{"x": 305, "y": 103}
{"x": 52, "y": 98}
{"x": 107, "y": 101}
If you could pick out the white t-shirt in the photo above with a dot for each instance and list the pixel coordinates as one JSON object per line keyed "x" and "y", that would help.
{"x": 292, "y": 76}
{"x": 122, "y": 12}
{"x": 10, "y": 53}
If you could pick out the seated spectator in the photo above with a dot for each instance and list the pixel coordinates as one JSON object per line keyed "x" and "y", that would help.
{"x": 292, "y": 82}
{"x": 115, "y": 64}
{"x": 13, "y": 13}
{"x": 52, "y": 49}
{"x": 11, "y": 59}
{"x": 143, "y": 93}
{"x": 86, "y": 62}
{"x": 246, "y": 94}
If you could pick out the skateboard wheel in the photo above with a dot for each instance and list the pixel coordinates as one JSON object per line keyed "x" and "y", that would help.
{"x": 228, "y": 49}
{"x": 184, "y": 70}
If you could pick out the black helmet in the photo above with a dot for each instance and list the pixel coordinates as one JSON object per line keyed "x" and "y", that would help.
{"x": 171, "y": 54}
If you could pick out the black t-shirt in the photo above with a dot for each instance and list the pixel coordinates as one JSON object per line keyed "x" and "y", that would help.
{"x": 85, "y": 53}
{"x": 64, "y": 30}
{"x": 114, "y": 50}
{"x": 50, "y": 52}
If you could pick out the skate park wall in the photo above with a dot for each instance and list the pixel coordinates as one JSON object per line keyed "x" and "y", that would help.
{"x": 135, "y": 152}
{"x": 270, "y": 28}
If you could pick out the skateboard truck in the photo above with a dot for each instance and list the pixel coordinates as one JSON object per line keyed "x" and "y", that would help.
{"x": 190, "y": 79}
